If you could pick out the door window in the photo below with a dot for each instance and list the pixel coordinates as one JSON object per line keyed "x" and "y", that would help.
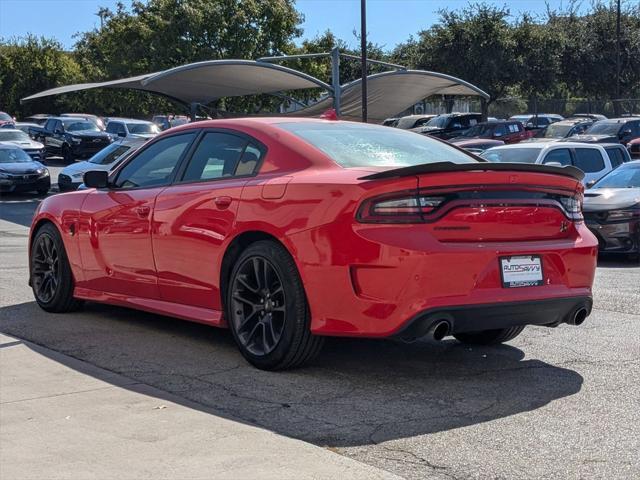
{"x": 222, "y": 155}
{"x": 589, "y": 160}
{"x": 615, "y": 155}
{"x": 155, "y": 165}
{"x": 112, "y": 127}
{"x": 560, "y": 155}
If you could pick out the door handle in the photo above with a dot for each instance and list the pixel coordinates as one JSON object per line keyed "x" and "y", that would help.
{"x": 222, "y": 202}
{"x": 143, "y": 211}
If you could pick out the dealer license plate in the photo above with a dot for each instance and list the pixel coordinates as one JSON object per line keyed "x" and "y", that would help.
{"x": 521, "y": 271}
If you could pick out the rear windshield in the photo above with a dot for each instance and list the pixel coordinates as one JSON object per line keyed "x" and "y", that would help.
{"x": 511, "y": 155}
{"x": 363, "y": 145}
{"x": 604, "y": 128}
{"x": 142, "y": 128}
{"x": 109, "y": 154}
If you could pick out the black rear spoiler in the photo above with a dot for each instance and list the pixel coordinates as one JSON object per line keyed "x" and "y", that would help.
{"x": 568, "y": 171}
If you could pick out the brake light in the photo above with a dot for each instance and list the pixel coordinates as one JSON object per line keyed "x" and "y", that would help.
{"x": 573, "y": 207}
{"x": 408, "y": 208}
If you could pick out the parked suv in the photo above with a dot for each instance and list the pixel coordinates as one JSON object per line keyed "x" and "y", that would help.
{"x": 449, "y": 125}
{"x": 71, "y": 137}
{"x": 563, "y": 129}
{"x": 620, "y": 130}
{"x": 508, "y": 132}
{"x": 124, "y": 127}
{"x": 593, "y": 160}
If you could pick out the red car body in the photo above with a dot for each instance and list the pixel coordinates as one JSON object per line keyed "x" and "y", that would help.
{"x": 170, "y": 249}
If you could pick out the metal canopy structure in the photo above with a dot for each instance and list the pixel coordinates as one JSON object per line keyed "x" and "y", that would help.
{"x": 392, "y": 92}
{"x": 203, "y": 82}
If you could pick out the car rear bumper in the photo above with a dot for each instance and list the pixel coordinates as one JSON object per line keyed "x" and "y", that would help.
{"x": 376, "y": 281}
{"x": 471, "y": 318}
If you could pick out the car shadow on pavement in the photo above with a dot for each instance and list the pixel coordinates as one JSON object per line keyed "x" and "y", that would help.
{"x": 617, "y": 261}
{"x": 357, "y": 392}
{"x": 19, "y": 207}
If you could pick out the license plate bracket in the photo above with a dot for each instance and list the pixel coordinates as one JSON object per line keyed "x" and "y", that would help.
{"x": 521, "y": 271}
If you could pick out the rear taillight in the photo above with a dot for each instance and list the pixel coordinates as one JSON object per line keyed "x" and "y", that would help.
{"x": 573, "y": 207}
{"x": 405, "y": 208}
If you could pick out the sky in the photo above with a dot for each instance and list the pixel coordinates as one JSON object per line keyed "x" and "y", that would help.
{"x": 389, "y": 22}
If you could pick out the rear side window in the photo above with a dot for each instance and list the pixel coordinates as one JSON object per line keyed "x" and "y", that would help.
{"x": 589, "y": 160}
{"x": 616, "y": 156}
{"x": 217, "y": 155}
{"x": 365, "y": 145}
{"x": 561, "y": 156}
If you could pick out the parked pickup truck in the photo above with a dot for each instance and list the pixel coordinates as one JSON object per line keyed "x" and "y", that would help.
{"x": 69, "y": 137}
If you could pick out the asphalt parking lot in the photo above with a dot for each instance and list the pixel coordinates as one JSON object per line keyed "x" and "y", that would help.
{"x": 554, "y": 403}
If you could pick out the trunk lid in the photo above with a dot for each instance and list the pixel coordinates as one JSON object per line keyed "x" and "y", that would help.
{"x": 491, "y": 202}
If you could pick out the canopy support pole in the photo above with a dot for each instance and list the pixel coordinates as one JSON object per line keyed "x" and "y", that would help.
{"x": 335, "y": 79}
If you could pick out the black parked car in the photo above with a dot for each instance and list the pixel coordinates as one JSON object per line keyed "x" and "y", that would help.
{"x": 71, "y": 137}
{"x": 20, "y": 173}
{"x": 449, "y": 125}
{"x": 618, "y": 130}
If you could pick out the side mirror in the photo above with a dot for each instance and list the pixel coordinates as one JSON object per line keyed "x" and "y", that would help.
{"x": 625, "y": 133}
{"x": 96, "y": 179}
{"x": 591, "y": 183}
{"x": 122, "y": 134}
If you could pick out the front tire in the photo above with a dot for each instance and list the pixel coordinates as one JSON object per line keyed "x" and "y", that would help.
{"x": 489, "y": 337}
{"x": 50, "y": 273}
{"x": 67, "y": 155}
{"x": 267, "y": 309}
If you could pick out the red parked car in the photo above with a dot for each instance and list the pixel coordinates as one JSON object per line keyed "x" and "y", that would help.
{"x": 290, "y": 230}
{"x": 507, "y": 132}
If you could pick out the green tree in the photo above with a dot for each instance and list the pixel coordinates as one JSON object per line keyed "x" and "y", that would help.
{"x": 29, "y": 65}
{"x": 475, "y": 44}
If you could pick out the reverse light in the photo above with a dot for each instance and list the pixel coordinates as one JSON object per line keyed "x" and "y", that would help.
{"x": 407, "y": 208}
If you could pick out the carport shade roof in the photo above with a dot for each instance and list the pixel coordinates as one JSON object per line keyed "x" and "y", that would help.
{"x": 388, "y": 93}
{"x": 204, "y": 82}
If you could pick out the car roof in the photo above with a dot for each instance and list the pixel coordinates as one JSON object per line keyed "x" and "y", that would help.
{"x": 620, "y": 120}
{"x": 127, "y": 120}
{"x": 10, "y": 130}
{"x": 550, "y": 145}
{"x": 574, "y": 121}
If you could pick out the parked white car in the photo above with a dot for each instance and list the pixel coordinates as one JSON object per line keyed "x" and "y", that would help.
{"x": 592, "y": 159}
{"x": 17, "y": 137}
{"x": 71, "y": 177}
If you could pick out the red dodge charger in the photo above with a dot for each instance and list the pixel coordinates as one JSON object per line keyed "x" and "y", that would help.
{"x": 287, "y": 231}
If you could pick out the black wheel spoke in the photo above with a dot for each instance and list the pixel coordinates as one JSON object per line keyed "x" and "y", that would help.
{"x": 45, "y": 269}
{"x": 257, "y": 317}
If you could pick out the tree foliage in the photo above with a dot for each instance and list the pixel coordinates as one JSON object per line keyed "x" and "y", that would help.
{"x": 565, "y": 53}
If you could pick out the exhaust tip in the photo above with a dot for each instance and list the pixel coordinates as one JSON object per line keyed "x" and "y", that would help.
{"x": 439, "y": 330}
{"x": 578, "y": 317}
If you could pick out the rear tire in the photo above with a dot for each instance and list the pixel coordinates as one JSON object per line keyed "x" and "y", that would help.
{"x": 267, "y": 309}
{"x": 489, "y": 337}
{"x": 50, "y": 273}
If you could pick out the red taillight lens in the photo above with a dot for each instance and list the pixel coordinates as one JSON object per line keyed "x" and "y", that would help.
{"x": 398, "y": 209}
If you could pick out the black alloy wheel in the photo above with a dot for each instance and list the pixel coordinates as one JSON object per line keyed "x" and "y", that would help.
{"x": 258, "y": 305}
{"x": 267, "y": 310}
{"x": 45, "y": 272}
{"x": 50, "y": 274}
